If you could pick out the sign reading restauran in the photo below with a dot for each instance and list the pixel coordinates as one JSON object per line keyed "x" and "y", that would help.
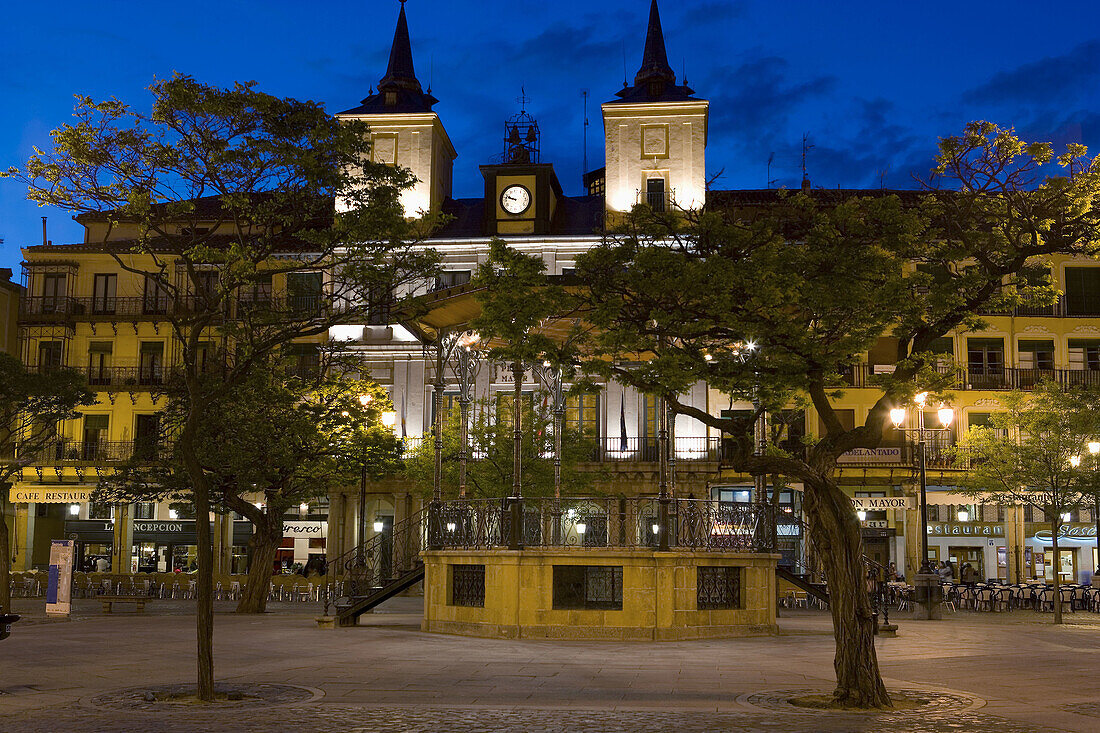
{"x": 968, "y": 529}
{"x": 879, "y": 503}
{"x": 50, "y": 494}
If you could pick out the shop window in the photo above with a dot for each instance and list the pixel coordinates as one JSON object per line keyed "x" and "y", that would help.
{"x": 151, "y": 362}
{"x": 304, "y": 290}
{"x": 985, "y": 362}
{"x": 504, "y": 404}
{"x": 582, "y": 413}
{"x": 305, "y": 360}
{"x": 451, "y": 278}
{"x": 104, "y": 288}
{"x": 155, "y": 297}
{"x": 146, "y": 436}
{"x": 99, "y": 362}
{"x": 49, "y": 355}
{"x": 100, "y": 510}
{"x": 53, "y": 293}
{"x": 145, "y": 510}
{"x": 718, "y": 588}
{"x": 1082, "y": 291}
{"x": 873, "y": 516}
{"x": 95, "y": 436}
{"x": 468, "y": 585}
{"x": 588, "y": 587}
{"x": 1084, "y": 354}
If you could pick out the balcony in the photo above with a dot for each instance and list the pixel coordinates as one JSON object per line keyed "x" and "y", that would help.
{"x": 987, "y": 378}
{"x": 616, "y": 450}
{"x": 125, "y": 378}
{"x": 59, "y": 309}
{"x": 100, "y": 452}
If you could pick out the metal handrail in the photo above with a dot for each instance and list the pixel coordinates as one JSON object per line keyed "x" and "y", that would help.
{"x": 375, "y": 561}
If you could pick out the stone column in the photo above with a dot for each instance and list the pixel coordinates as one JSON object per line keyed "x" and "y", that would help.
{"x": 24, "y": 537}
{"x": 912, "y": 541}
{"x": 223, "y": 544}
{"x": 1014, "y": 543}
{"x": 334, "y": 545}
{"x": 351, "y": 521}
{"x": 123, "y": 540}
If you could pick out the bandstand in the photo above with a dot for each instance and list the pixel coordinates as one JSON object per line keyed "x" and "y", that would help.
{"x": 616, "y": 567}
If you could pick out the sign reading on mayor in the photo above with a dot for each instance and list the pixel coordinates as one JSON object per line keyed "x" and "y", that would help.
{"x": 881, "y": 503}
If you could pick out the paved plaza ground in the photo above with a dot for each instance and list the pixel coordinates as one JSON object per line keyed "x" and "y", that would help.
{"x": 1002, "y": 672}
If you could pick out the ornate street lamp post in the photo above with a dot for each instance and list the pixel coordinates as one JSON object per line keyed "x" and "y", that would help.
{"x": 898, "y": 417}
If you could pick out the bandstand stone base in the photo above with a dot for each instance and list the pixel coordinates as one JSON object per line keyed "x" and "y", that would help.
{"x": 659, "y": 594}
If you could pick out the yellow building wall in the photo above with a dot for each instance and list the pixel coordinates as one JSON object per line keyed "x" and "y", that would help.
{"x": 658, "y": 596}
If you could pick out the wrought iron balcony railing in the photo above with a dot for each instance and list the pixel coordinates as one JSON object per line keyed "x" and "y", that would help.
{"x": 699, "y": 525}
{"x": 99, "y": 452}
{"x": 980, "y": 378}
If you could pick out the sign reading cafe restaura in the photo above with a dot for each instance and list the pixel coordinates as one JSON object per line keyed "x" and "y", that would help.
{"x": 50, "y": 494}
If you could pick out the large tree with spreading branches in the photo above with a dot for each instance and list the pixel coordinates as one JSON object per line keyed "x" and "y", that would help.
{"x": 814, "y": 280}
{"x": 257, "y": 221}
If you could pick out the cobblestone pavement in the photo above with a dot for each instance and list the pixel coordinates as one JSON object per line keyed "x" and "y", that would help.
{"x": 388, "y": 676}
{"x": 353, "y": 719}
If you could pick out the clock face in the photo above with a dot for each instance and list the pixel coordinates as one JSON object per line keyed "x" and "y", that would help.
{"x": 515, "y": 199}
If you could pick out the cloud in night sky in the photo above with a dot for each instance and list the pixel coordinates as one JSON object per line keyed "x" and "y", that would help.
{"x": 873, "y": 84}
{"x": 1050, "y": 80}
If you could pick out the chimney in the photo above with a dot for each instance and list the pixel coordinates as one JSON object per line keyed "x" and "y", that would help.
{"x": 805, "y": 183}
{"x": 44, "y": 240}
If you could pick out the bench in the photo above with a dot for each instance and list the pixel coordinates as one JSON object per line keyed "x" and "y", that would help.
{"x": 108, "y": 601}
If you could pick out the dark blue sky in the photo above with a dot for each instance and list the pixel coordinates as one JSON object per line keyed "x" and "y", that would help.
{"x": 873, "y": 83}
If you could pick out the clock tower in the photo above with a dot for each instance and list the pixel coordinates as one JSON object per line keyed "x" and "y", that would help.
{"x": 521, "y": 192}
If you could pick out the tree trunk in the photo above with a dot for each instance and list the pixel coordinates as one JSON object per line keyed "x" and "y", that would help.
{"x": 5, "y": 556}
{"x": 265, "y": 545}
{"x": 835, "y": 534}
{"x": 204, "y": 580}
{"x": 1054, "y": 527}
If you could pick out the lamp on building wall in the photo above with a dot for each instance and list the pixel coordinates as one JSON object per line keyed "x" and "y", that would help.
{"x": 1066, "y": 516}
{"x": 963, "y": 515}
{"x": 581, "y": 527}
{"x": 378, "y": 525}
{"x": 303, "y": 508}
{"x": 898, "y": 416}
{"x": 173, "y": 514}
{"x": 74, "y": 509}
{"x": 862, "y": 515}
{"x": 389, "y": 419}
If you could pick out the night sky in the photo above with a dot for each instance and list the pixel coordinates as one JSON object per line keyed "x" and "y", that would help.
{"x": 872, "y": 83}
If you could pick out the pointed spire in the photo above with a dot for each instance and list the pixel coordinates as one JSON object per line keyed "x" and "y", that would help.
{"x": 655, "y": 80}
{"x": 654, "y": 59}
{"x": 400, "y": 73}
{"x": 399, "y": 91}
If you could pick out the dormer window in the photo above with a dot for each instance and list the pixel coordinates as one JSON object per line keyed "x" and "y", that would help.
{"x": 391, "y": 99}
{"x": 656, "y": 88}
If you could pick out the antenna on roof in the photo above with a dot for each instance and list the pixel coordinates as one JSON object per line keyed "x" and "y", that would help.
{"x": 771, "y": 157}
{"x": 431, "y": 69}
{"x": 623, "y": 44}
{"x": 805, "y": 148}
{"x": 584, "y": 172}
{"x": 523, "y": 99}
{"x": 882, "y": 178}
{"x": 684, "y": 67}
